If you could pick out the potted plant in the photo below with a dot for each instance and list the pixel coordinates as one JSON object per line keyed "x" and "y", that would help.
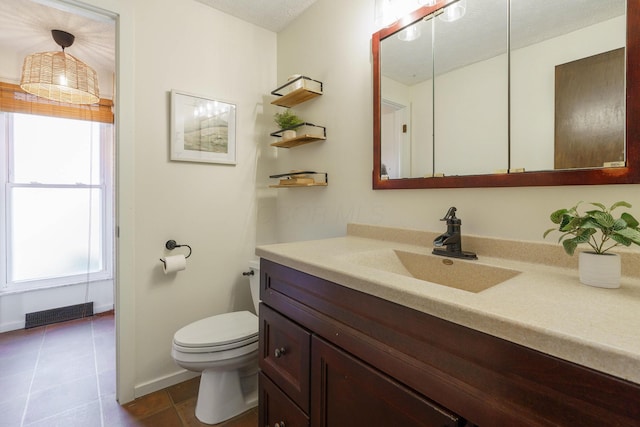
{"x": 286, "y": 121}
{"x": 602, "y": 232}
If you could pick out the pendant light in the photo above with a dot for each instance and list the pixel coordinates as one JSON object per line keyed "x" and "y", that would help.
{"x": 59, "y": 76}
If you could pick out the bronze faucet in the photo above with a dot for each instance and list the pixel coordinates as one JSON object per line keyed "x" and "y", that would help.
{"x": 452, "y": 239}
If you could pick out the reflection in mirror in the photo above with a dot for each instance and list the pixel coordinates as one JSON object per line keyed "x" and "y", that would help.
{"x": 466, "y": 47}
{"x": 406, "y": 67}
{"x": 567, "y": 84}
{"x": 471, "y": 90}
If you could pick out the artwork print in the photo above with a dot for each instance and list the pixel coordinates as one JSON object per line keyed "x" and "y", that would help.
{"x": 203, "y": 129}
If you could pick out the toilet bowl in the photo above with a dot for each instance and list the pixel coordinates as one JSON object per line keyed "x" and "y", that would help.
{"x": 225, "y": 349}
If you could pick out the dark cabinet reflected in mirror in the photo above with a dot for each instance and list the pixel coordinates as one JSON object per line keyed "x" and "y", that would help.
{"x": 520, "y": 93}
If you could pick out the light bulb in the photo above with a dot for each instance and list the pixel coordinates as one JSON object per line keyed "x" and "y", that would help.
{"x": 455, "y": 11}
{"x": 409, "y": 34}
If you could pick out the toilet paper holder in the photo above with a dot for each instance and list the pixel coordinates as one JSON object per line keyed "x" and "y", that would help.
{"x": 171, "y": 245}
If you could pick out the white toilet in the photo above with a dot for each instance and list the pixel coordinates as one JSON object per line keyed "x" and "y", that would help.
{"x": 225, "y": 349}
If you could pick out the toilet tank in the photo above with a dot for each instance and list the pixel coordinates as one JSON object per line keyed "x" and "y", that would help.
{"x": 254, "y": 282}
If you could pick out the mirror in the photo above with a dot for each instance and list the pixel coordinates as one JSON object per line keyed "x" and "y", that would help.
{"x": 471, "y": 88}
{"x": 569, "y": 74}
{"x": 499, "y": 111}
{"x": 407, "y": 102}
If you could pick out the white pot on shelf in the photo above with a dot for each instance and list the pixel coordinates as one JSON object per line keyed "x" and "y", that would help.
{"x": 600, "y": 270}
{"x": 288, "y": 134}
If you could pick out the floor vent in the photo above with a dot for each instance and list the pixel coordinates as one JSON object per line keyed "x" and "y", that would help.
{"x": 55, "y": 315}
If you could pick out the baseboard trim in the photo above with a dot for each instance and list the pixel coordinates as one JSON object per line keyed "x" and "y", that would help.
{"x": 19, "y": 324}
{"x": 12, "y": 326}
{"x": 163, "y": 382}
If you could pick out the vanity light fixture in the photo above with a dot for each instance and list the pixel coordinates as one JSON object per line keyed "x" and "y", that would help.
{"x": 454, "y": 11}
{"x": 59, "y": 76}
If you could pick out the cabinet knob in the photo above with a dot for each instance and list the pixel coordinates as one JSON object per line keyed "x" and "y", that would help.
{"x": 280, "y": 424}
{"x": 278, "y": 353}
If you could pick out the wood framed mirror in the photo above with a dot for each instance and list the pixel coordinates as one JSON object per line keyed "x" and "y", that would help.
{"x": 504, "y": 173}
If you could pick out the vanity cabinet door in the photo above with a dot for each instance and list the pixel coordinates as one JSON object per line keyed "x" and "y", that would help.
{"x": 347, "y": 392}
{"x": 276, "y": 409}
{"x": 284, "y": 355}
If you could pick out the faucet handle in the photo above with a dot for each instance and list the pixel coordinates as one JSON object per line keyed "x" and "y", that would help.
{"x": 451, "y": 214}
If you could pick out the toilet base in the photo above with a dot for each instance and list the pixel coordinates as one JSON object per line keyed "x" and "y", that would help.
{"x": 225, "y": 394}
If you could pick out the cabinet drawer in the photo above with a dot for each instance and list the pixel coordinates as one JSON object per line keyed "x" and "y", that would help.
{"x": 276, "y": 408}
{"x": 348, "y": 392}
{"x": 284, "y": 355}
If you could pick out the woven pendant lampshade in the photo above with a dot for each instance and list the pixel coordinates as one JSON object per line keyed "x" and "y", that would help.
{"x": 59, "y": 76}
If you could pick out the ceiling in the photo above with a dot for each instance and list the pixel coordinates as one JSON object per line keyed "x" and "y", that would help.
{"x": 25, "y": 25}
{"x": 273, "y": 15}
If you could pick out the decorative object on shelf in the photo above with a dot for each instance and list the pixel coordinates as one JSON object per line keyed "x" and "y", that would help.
{"x": 300, "y": 178}
{"x": 297, "y": 90}
{"x": 296, "y": 82}
{"x": 598, "y": 267}
{"x": 202, "y": 129}
{"x": 59, "y": 76}
{"x": 304, "y": 134}
{"x": 287, "y": 121}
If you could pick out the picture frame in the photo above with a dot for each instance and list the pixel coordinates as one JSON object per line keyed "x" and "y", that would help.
{"x": 202, "y": 129}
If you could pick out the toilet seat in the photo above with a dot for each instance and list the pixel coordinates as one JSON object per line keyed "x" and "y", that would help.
{"x": 218, "y": 333}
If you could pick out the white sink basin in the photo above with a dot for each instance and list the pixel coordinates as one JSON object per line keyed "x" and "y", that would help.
{"x": 468, "y": 276}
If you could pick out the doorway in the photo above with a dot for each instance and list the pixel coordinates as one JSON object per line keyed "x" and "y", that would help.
{"x": 395, "y": 146}
{"x": 97, "y": 50}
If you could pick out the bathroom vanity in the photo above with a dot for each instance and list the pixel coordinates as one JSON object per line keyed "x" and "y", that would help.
{"x": 348, "y": 338}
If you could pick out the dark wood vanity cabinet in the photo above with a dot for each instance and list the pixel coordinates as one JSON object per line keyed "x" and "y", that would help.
{"x": 343, "y": 390}
{"x": 348, "y": 392}
{"x": 333, "y": 356}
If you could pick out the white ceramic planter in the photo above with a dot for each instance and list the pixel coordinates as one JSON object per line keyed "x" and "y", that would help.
{"x": 288, "y": 134}
{"x": 600, "y": 270}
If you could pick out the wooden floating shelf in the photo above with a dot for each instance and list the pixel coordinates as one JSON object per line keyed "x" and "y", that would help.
{"x": 298, "y": 140}
{"x": 296, "y": 97}
{"x": 317, "y": 184}
{"x": 301, "y": 176}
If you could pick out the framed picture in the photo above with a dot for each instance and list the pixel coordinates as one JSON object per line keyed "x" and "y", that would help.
{"x": 202, "y": 129}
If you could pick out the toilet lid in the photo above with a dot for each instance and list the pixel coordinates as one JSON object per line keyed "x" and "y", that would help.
{"x": 222, "y": 329}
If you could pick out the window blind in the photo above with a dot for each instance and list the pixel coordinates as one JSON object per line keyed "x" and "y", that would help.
{"x": 15, "y": 100}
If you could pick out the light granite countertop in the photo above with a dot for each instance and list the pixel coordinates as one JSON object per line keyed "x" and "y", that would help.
{"x": 545, "y": 307}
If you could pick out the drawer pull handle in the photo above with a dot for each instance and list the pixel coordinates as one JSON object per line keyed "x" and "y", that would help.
{"x": 278, "y": 353}
{"x": 280, "y": 424}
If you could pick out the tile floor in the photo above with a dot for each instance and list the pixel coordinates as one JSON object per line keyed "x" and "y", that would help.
{"x": 64, "y": 375}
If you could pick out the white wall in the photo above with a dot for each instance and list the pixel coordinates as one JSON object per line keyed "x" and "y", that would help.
{"x": 331, "y": 42}
{"x": 185, "y": 45}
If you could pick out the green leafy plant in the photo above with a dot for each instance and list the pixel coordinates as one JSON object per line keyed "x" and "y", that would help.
{"x": 577, "y": 228}
{"x": 287, "y": 120}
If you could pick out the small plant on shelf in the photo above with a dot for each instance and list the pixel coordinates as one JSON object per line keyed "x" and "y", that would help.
{"x": 287, "y": 120}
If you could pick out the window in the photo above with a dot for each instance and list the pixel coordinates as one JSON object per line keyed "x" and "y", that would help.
{"x": 57, "y": 190}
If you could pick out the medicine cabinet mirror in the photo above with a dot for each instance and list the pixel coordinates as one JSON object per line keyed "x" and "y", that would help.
{"x": 512, "y": 93}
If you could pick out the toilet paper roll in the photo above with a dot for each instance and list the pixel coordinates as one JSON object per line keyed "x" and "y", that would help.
{"x": 174, "y": 263}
